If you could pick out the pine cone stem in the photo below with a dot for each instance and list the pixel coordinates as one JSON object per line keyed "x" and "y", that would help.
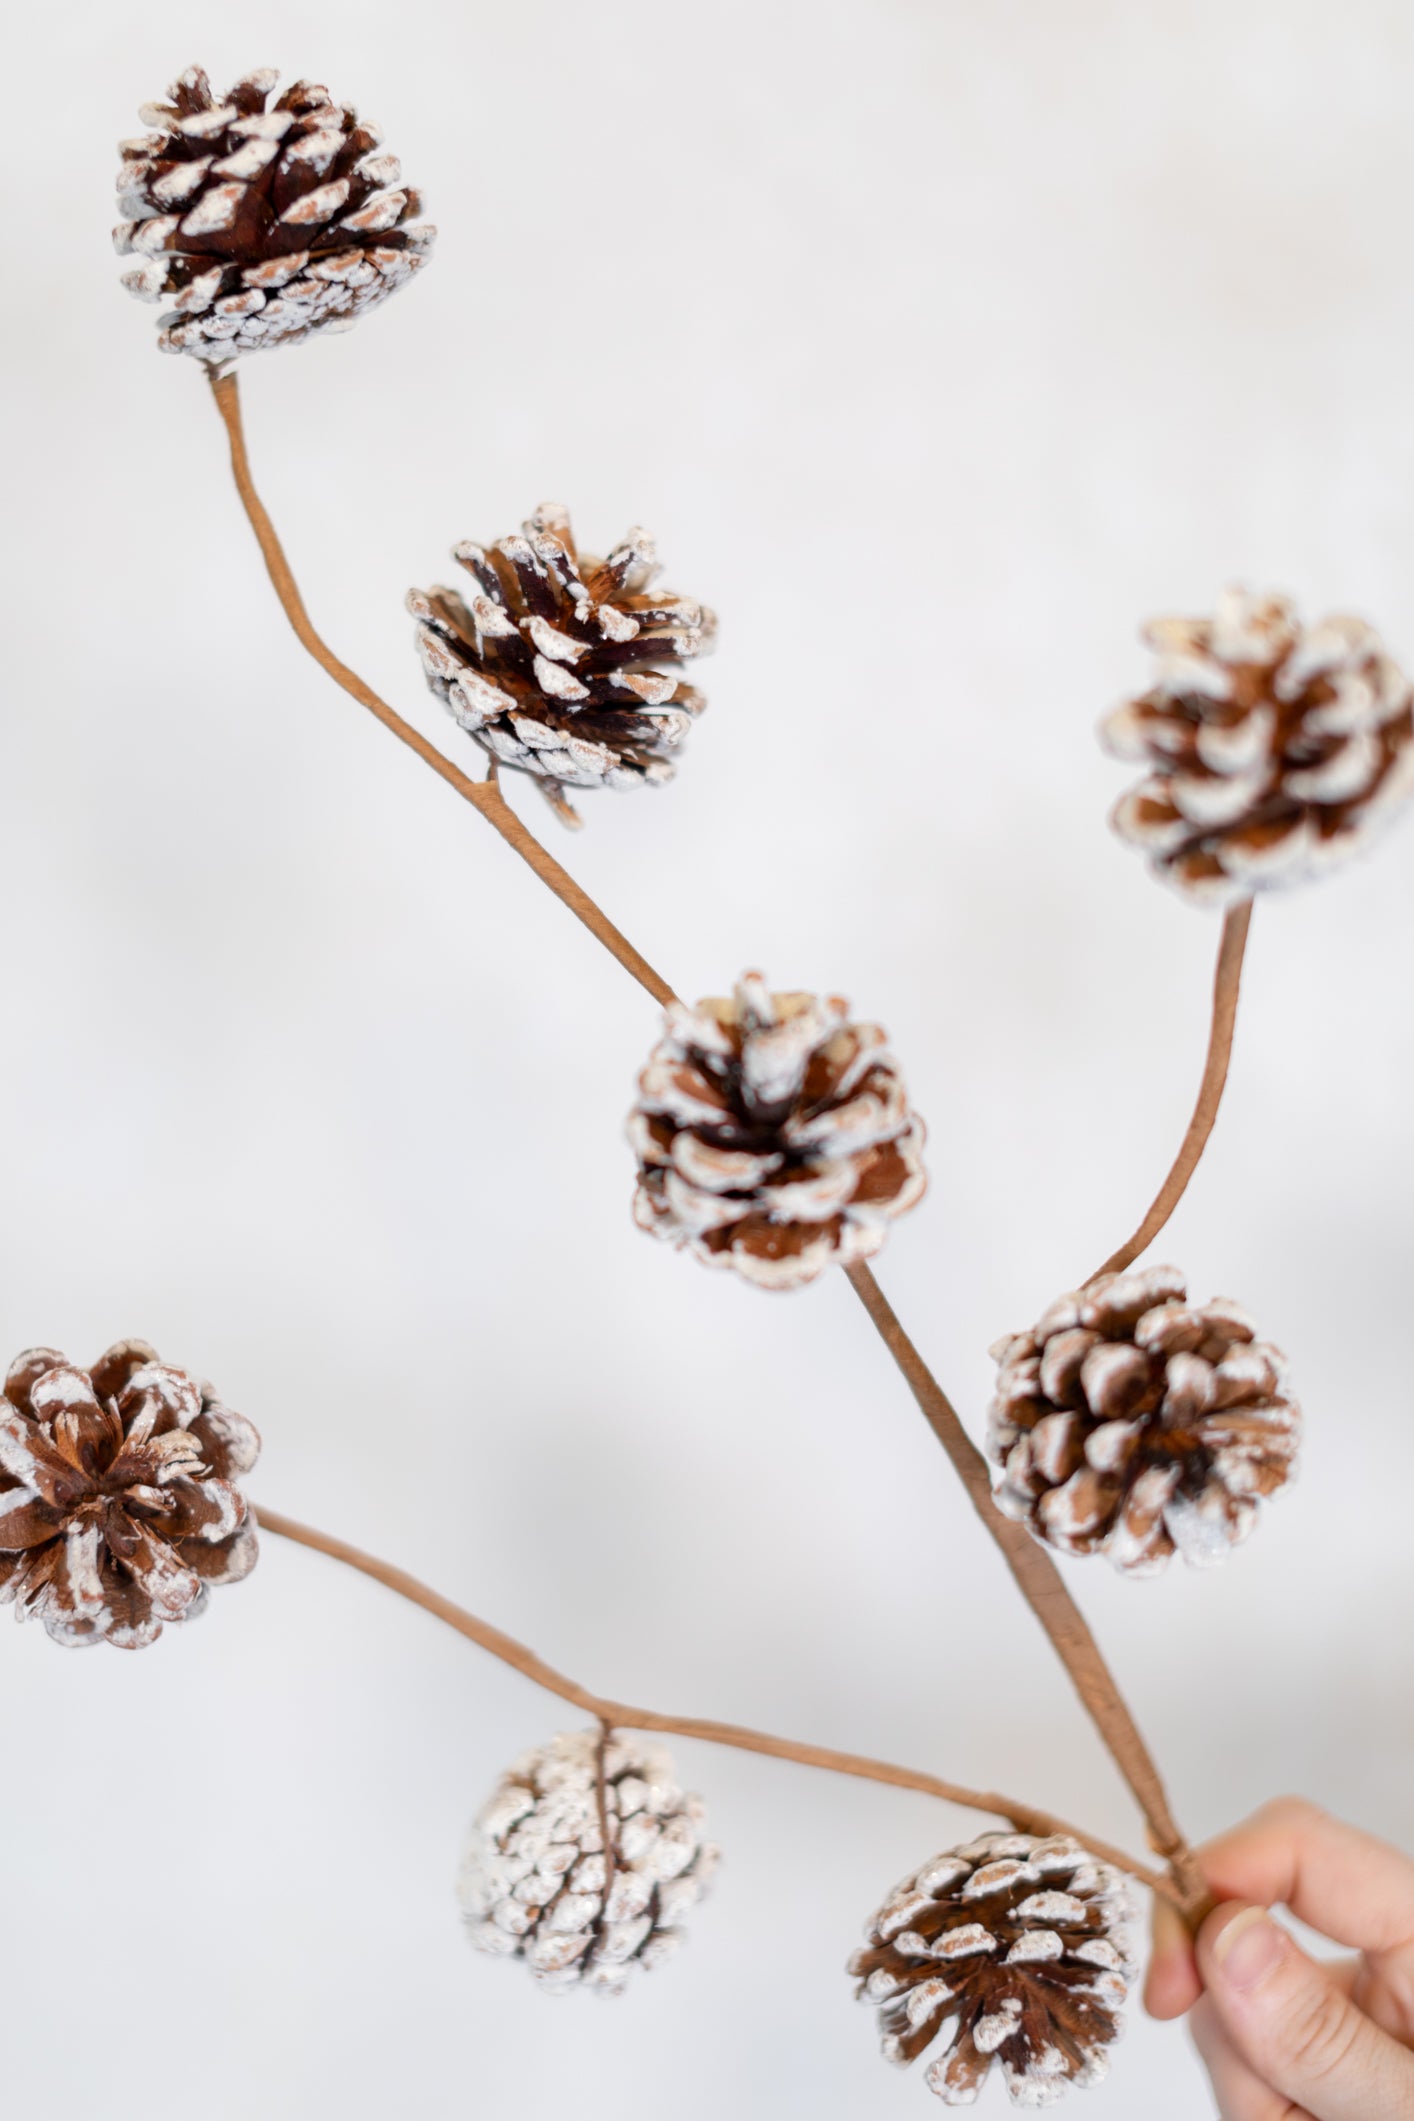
{"x": 484, "y": 796}
{"x": 620, "y": 1715}
{"x": 1041, "y": 1585}
{"x": 601, "y": 1793}
{"x": 1227, "y": 982}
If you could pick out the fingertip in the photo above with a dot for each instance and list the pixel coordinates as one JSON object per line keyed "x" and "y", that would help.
{"x": 1172, "y": 1985}
{"x": 1240, "y": 1949}
{"x": 1209, "y": 1948}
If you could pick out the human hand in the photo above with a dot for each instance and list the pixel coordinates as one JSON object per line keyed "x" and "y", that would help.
{"x": 1283, "y": 2037}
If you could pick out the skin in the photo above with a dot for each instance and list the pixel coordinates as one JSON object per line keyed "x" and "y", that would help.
{"x": 1286, "y": 2038}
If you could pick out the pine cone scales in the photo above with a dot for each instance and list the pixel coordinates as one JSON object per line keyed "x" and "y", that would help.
{"x": 118, "y": 1504}
{"x": 1273, "y": 750}
{"x": 262, "y": 222}
{"x": 1132, "y": 1423}
{"x": 1020, "y": 1942}
{"x": 774, "y": 1135}
{"x": 554, "y": 668}
{"x": 535, "y": 1884}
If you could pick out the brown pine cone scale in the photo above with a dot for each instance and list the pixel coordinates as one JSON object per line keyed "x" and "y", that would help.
{"x": 774, "y": 1135}
{"x": 1132, "y": 1423}
{"x": 1018, "y": 1944}
{"x": 556, "y": 666}
{"x": 119, "y": 1509}
{"x": 259, "y": 222}
{"x": 1273, "y": 751}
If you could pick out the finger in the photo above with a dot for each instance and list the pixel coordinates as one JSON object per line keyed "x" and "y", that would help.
{"x": 1346, "y": 1884}
{"x": 1171, "y": 1986}
{"x": 1239, "y": 2091}
{"x": 1294, "y": 2028}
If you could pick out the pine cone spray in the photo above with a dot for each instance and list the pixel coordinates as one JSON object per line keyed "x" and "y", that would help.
{"x": 555, "y": 667}
{"x": 1132, "y": 1423}
{"x": 1020, "y": 1944}
{"x": 1273, "y": 751}
{"x": 119, "y": 1509}
{"x": 774, "y": 1135}
{"x": 536, "y": 1883}
{"x": 260, "y": 222}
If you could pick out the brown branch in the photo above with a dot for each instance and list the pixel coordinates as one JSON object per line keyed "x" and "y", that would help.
{"x": 1034, "y": 1573}
{"x": 484, "y": 796}
{"x": 622, "y": 1715}
{"x": 1227, "y": 981}
{"x": 1041, "y": 1586}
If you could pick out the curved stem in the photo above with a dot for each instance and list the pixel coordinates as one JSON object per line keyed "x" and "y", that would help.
{"x": 1227, "y": 982}
{"x": 1043, "y": 1589}
{"x": 624, "y": 1716}
{"x": 484, "y": 796}
{"x": 1039, "y": 1581}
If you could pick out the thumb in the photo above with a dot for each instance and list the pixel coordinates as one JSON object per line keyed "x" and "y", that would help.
{"x": 1293, "y": 2026}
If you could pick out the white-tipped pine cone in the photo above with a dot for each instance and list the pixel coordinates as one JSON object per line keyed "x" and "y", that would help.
{"x": 259, "y": 222}
{"x": 555, "y": 668}
{"x": 536, "y": 1883}
{"x": 1274, "y": 751}
{"x": 1019, "y": 1946}
{"x": 773, "y": 1135}
{"x": 119, "y": 1509}
{"x": 1132, "y": 1423}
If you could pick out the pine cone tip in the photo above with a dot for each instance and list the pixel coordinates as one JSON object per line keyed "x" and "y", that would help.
{"x": 538, "y": 1883}
{"x": 1018, "y": 1947}
{"x": 556, "y": 666}
{"x": 120, "y": 1508}
{"x": 260, "y": 222}
{"x": 1134, "y": 1423}
{"x": 773, "y": 1135}
{"x": 1273, "y": 751}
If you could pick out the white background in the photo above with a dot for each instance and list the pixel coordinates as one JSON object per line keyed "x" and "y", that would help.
{"x": 939, "y": 344}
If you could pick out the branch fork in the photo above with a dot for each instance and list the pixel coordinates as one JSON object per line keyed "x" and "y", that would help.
{"x": 1036, "y": 1575}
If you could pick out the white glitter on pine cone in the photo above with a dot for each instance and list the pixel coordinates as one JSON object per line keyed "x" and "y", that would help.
{"x": 774, "y": 1135}
{"x": 1273, "y": 751}
{"x": 1132, "y": 1423}
{"x": 119, "y": 1509}
{"x": 261, "y": 222}
{"x": 1015, "y": 1950}
{"x": 555, "y": 667}
{"x": 535, "y": 1884}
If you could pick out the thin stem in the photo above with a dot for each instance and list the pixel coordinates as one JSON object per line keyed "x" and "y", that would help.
{"x": 1034, "y": 1573}
{"x": 601, "y": 1796}
{"x": 620, "y": 1715}
{"x": 1227, "y": 982}
{"x": 484, "y": 796}
{"x": 1040, "y": 1583}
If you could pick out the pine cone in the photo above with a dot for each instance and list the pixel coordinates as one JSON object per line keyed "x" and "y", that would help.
{"x": 118, "y": 1504}
{"x": 1134, "y": 1424}
{"x": 260, "y": 225}
{"x": 773, "y": 1135}
{"x": 1273, "y": 751}
{"x": 1022, "y": 1943}
{"x": 555, "y": 668}
{"x": 534, "y": 1883}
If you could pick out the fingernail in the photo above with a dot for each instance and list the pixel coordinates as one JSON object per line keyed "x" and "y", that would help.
{"x": 1248, "y": 1949}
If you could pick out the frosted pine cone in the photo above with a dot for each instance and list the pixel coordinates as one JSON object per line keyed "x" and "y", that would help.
{"x": 1132, "y": 1423}
{"x": 1273, "y": 750}
{"x": 259, "y": 222}
{"x": 555, "y": 668}
{"x": 535, "y": 1884}
{"x": 118, "y": 1504}
{"x": 773, "y": 1135}
{"x": 1021, "y": 1944}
